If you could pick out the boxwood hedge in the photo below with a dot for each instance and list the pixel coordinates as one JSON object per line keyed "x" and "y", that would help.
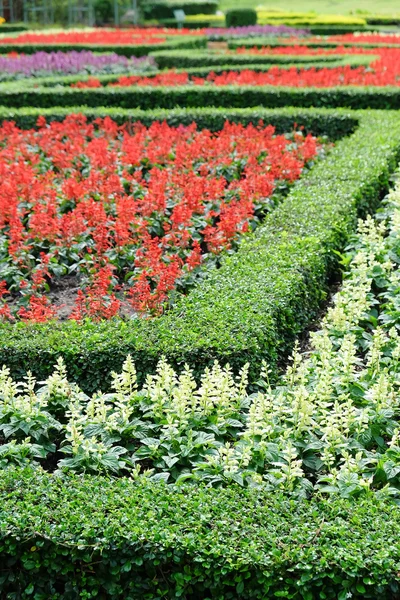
{"x": 16, "y": 96}
{"x": 181, "y": 59}
{"x": 260, "y": 42}
{"x": 124, "y": 50}
{"x": 91, "y": 537}
{"x": 252, "y": 307}
{"x": 334, "y": 124}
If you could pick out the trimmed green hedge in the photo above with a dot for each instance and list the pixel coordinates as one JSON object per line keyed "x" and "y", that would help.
{"x": 332, "y": 29}
{"x": 123, "y": 50}
{"x": 185, "y": 59}
{"x": 261, "y": 42}
{"x": 253, "y": 307}
{"x": 383, "y": 19}
{"x": 334, "y": 124}
{"x": 164, "y": 9}
{"x": 13, "y": 27}
{"x": 16, "y": 96}
{"x": 90, "y": 537}
{"x": 240, "y": 17}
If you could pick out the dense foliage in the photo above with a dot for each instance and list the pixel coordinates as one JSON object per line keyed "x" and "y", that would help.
{"x": 164, "y": 9}
{"x": 241, "y": 17}
{"x": 142, "y": 540}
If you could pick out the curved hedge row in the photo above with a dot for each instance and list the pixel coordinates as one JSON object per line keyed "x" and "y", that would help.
{"x": 261, "y": 42}
{"x": 334, "y": 124}
{"x": 199, "y": 96}
{"x": 281, "y": 271}
{"x": 184, "y": 60}
{"x": 138, "y": 540}
{"x": 123, "y": 50}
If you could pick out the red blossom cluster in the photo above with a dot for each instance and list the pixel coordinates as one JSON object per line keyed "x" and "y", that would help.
{"x": 116, "y": 37}
{"x": 130, "y": 212}
{"x": 382, "y": 71}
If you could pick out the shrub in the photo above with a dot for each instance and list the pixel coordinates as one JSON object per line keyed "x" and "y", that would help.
{"x": 307, "y": 19}
{"x": 241, "y": 17}
{"x": 92, "y": 536}
{"x": 123, "y": 50}
{"x": 383, "y": 19}
{"x": 164, "y": 9}
{"x": 196, "y": 21}
{"x": 200, "y": 96}
{"x": 184, "y": 59}
{"x": 13, "y": 27}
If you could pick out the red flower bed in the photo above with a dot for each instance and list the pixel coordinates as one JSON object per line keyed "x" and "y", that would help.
{"x": 383, "y": 71}
{"x": 124, "y": 215}
{"x": 103, "y": 37}
{"x": 365, "y": 38}
{"x": 298, "y": 49}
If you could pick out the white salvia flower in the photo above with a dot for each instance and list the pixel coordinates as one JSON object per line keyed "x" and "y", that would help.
{"x": 374, "y": 356}
{"x": 125, "y": 383}
{"x": 381, "y": 394}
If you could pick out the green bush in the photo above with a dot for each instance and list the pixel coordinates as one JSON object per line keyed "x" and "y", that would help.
{"x": 64, "y": 538}
{"x": 196, "y": 21}
{"x": 164, "y": 9}
{"x": 240, "y": 17}
{"x": 104, "y": 11}
{"x": 191, "y": 96}
{"x": 13, "y": 27}
{"x": 383, "y": 19}
{"x": 124, "y": 50}
{"x": 265, "y": 17}
{"x": 282, "y": 270}
{"x": 261, "y": 42}
{"x": 183, "y": 59}
{"x": 334, "y": 29}
{"x": 334, "y": 124}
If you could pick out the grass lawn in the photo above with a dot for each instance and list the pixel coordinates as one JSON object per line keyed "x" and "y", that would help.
{"x": 320, "y": 6}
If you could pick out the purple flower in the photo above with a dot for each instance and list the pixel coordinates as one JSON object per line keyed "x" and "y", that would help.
{"x": 62, "y": 63}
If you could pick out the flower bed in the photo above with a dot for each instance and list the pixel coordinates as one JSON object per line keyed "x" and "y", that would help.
{"x": 52, "y": 63}
{"x": 366, "y": 38}
{"x": 331, "y": 424}
{"x": 100, "y": 37}
{"x": 384, "y": 71}
{"x": 124, "y": 215}
{"x": 281, "y": 269}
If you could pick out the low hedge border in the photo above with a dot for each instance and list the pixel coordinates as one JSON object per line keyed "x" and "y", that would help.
{"x": 334, "y": 124}
{"x": 181, "y": 59}
{"x": 70, "y": 537}
{"x": 192, "y": 96}
{"x": 261, "y": 42}
{"x": 123, "y": 50}
{"x": 282, "y": 270}
{"x": 7, "y": 28}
